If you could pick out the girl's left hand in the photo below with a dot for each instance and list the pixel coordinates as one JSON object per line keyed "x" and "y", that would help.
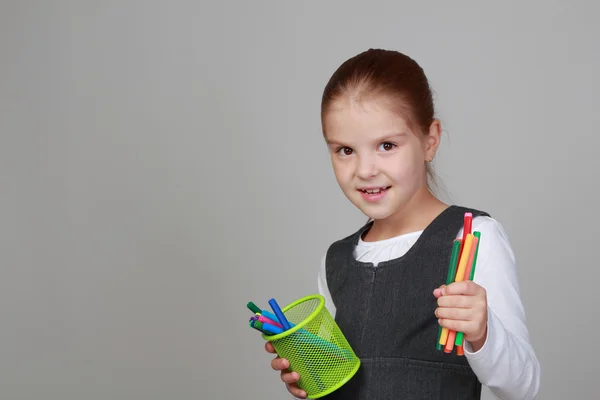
{"x": 462, "y": 307}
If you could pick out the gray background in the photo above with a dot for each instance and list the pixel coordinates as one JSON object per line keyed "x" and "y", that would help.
{"x": 161, "y": 164}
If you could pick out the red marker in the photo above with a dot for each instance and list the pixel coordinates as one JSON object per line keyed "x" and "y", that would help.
{"x": 468, "y": 222}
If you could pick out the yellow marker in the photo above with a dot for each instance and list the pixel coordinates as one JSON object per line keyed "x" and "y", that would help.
{"x": 464, "y": 258}
{"x": 444, "y": 337}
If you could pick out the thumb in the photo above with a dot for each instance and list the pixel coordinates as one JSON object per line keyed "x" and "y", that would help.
{"x": 438, "y": 291}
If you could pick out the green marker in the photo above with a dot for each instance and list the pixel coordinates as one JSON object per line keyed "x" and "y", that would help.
{"x": 253, "y": 308}
{"x": 450, "y": 278}
{"x": 478, "y": 236}
{"x": 460, "y": 335}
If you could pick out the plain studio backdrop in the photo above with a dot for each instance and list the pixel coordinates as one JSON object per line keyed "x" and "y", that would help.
{"x": 162, "y": 164}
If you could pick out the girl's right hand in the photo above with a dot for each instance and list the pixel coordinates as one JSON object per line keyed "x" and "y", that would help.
{"x": 289, "y": 378}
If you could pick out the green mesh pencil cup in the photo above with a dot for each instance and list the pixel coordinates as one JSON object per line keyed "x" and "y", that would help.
{"x": 315, "y": 347}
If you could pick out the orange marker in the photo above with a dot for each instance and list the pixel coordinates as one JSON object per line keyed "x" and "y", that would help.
{"x": 467, "y": 275}
{"x": 450, "y": 342}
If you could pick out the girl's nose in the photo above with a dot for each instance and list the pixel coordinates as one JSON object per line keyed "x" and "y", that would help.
{"x": 366, "y": 168}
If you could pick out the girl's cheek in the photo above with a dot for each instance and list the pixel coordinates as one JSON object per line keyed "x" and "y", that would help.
{"x": 401, "y": 169}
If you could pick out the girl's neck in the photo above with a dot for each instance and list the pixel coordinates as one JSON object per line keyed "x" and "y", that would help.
{"x": 415, "y": 216}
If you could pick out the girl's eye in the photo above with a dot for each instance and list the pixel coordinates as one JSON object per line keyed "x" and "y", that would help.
{"x": 345, "y": 151}
{"x": 387, "y": 146}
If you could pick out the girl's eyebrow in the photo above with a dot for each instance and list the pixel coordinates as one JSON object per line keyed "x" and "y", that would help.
{"x": 384, "y": 138}
{"x": 333, "y": 142}
{"x": 390, "y": 136}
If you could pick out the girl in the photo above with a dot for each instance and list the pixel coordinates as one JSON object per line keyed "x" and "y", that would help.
{"x": 382, "y": 283}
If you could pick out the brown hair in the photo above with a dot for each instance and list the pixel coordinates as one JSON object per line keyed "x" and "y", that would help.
{"x": 385, "y": 72}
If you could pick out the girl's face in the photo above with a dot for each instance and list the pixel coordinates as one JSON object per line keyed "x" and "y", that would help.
{"x": 378, "y": 161}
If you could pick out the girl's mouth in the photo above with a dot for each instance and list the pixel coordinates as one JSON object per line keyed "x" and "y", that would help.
{"x": 374, "y": 193}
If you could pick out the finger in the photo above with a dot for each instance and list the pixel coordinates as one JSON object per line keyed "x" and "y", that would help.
{"x": 279, "y": 364}
{"x": 457, "y": 301}
{"x": 468, "y": 288}
{"x": 269, "y": 348}
{"x": 477, "y": 302}
{"x": 461, "y": 314}
{"x": 296, "y": 391}
{"x": 457, "y": 325}
{"x": 289, "y": 377}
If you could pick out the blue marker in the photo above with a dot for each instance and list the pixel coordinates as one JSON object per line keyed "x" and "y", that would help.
{"x": 272, "y": 317}
{"x": 281, "y": 318}
{"x": 272, "y": 329}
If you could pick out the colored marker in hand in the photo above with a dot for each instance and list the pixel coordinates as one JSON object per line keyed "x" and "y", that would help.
{"x": 464, "y": 258}
{"x": 460, "y": 275}
{"x": 478, "y": 236}
{"x": 467, "y": 226}
{"x": 443, "y": 332}
{"x": 469, "y": 274}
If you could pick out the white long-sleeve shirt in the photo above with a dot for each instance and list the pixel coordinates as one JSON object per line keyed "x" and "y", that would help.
{"x": 506, "y": 363}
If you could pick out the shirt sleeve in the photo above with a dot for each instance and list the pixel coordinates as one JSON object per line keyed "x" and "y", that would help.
{"x": 323, "y": 288}
{"x": 506, "y": 363}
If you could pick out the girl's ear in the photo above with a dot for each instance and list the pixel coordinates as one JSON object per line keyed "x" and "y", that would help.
{"x": 432, "y": 140}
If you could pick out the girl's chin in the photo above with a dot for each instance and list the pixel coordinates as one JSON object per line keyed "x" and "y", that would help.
{"x": 376, "y": 212}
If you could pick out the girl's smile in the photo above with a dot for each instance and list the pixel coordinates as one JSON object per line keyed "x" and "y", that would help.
{"x": 374, "y": 194}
